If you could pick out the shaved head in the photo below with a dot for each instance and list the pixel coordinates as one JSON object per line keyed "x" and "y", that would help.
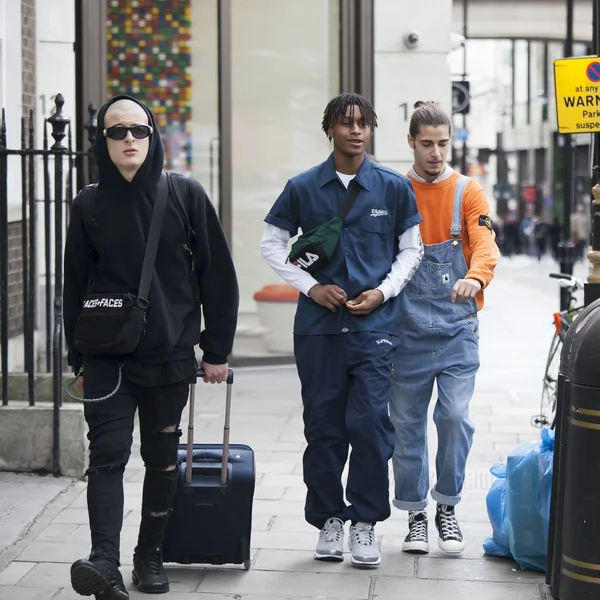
{"x": 125, "y": 110}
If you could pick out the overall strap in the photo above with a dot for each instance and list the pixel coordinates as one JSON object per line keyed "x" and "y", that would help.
{"x": 456, "y": 227}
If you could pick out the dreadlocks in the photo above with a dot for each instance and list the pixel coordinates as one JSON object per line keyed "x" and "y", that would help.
{"x": 336, "y": 110}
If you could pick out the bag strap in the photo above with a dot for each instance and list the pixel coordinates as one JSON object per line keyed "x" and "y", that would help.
{"x": 175, "y": 191}
{"x": 459, "y": 191}
{"x": 158, "y": 213}
{"x": 353, "y": 191}
{"x": 87, "y": 200}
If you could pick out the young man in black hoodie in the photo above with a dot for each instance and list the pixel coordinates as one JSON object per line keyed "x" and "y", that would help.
{"x": 193, "y": 275}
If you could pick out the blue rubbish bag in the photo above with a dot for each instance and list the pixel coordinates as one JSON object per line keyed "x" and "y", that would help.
{"x": 528, "y": 491}
{"x": 518, "y": 504}
{"x": 498, "y": 544}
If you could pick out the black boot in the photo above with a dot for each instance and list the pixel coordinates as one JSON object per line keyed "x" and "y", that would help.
{"x": 148, "y": 574}
{"x": 98, "y": 576}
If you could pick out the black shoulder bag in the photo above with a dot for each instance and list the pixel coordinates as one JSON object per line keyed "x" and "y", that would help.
{"x": 313, "y": 250}
{"x": 113, "y": 323}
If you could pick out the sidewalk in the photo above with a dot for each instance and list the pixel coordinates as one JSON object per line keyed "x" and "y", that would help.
{"x": 23, "y": 497}
{"x": 515, "y": 332}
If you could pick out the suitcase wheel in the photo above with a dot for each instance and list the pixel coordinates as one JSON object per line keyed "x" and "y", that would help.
{"x": 247, "y": 564}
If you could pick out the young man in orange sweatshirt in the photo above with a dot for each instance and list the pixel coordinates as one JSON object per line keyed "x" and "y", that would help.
{"x": 439, "y": 332}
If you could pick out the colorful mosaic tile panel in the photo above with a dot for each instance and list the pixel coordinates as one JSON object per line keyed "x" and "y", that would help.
{"x": 148, "y": 48}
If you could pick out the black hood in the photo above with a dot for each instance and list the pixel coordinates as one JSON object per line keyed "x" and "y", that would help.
{"x": 151, "y": 169}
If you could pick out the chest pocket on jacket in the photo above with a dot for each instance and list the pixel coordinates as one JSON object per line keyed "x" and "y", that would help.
{"x": 375, "y": 224}
{"x": 433, "y": 280}
{"x": 375, "y": 237}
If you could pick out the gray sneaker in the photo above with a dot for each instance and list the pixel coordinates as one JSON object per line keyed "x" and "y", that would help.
{"x": 331, "y": 541}
{"x": 363, "y": 545}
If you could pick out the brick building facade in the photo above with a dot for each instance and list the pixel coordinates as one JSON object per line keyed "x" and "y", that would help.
{"x": 15, "y": 228}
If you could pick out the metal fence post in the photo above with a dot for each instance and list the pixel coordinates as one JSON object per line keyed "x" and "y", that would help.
{"x": 27, "y": 249}
{"x": 92, "y": 129}
{"x": 33, "y": 253}
{"x": 58, "y": 190}
{"x": 59, "y": 123}
{"x": 4, "y": 258}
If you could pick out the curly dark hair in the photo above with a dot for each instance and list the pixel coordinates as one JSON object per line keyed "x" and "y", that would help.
{"x": 337, "y": 107}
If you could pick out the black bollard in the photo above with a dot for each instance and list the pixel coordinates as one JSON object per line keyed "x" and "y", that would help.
{"x": 573, "y": 568}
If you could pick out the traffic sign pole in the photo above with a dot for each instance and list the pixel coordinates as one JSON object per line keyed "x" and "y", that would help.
{"x": 592, "y": 286}
{"x": 572, "y": 116}
{"x": 567, "y": 250}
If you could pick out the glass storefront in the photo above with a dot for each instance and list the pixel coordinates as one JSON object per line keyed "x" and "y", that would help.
{"x": 285, "y": 66}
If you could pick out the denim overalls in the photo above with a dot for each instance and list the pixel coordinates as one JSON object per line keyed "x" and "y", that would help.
{"x": 438, "y": 342}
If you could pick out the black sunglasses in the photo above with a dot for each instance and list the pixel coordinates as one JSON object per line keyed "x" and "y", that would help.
{"x": 118, "y": 132}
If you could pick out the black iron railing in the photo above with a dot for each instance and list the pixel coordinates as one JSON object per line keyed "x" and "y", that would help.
{"x": 58, "y": 163}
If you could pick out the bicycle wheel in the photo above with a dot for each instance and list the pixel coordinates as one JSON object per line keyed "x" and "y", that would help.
{"x": 550, "y": 383}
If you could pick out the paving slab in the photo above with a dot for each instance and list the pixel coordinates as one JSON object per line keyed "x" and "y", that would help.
{"x": 23, "y": 496}
{"x": 387, "y": 588}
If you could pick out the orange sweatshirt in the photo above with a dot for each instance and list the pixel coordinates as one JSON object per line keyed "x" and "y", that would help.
{"x": 435, "y": 202}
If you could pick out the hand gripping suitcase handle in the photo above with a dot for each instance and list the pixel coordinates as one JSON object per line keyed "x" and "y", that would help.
{"x": 190, "y": 439}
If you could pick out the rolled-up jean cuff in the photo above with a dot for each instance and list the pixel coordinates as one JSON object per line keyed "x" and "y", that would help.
{"x": 446, "y": 500}
{"x": 401, "y": 505}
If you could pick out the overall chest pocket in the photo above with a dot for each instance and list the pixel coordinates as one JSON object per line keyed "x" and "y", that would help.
{"x": 432, "y": 280}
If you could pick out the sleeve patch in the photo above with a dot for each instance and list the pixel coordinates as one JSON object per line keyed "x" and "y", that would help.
{"x": 485, "y": 221}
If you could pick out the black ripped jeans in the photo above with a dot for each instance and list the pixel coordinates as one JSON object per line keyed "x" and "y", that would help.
{"x": 110, "y": 435}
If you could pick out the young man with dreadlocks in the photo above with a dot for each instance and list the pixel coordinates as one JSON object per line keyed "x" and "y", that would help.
{"x": 345, "y": 325}
{"x": 439, "y": 332}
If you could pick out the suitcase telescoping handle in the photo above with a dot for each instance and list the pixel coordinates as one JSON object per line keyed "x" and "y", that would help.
{"x": 190, "y": 440}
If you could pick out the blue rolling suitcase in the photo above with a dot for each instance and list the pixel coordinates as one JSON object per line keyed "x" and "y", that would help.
{"x": 212, "y": 511}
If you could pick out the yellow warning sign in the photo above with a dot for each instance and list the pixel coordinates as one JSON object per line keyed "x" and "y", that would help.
{"x": 577, "y": 85}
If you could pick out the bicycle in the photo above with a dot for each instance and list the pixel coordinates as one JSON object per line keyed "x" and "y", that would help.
{"x": 562, "y": 321}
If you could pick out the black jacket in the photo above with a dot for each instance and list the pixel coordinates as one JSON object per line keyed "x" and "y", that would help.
{"x": 194, "y": 275}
